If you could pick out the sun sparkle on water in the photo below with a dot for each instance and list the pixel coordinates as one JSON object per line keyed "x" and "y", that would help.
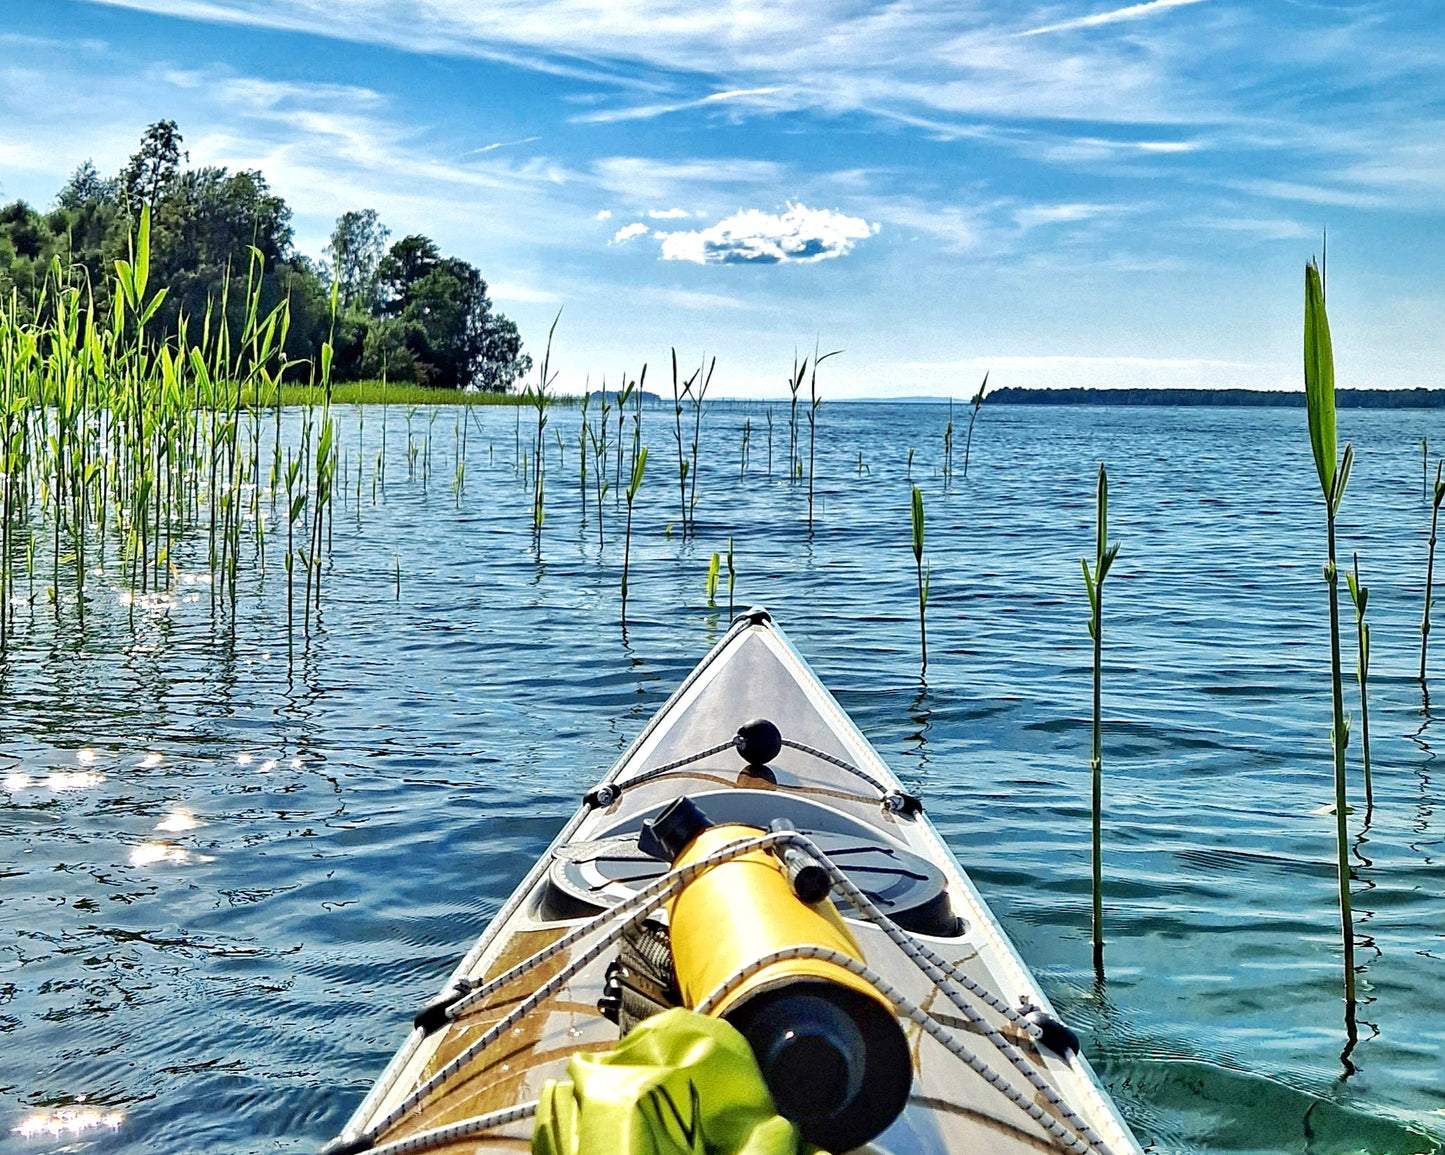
{"x": 149, "y": 853}
{"x": 67, "y": 1121}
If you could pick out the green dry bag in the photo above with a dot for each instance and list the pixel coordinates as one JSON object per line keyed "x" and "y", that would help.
{"x": 680, "y": 1083}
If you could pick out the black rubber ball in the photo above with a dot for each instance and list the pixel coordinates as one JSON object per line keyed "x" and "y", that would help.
{"x": 758, "y": 741}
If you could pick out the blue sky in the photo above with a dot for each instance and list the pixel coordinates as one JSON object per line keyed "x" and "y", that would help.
{"x": 1062, "y": 194}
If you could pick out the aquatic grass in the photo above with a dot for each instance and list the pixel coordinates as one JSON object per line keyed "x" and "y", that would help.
{"x": 977, "y": 404}
{"x": 948, "y": 445}
{"x": 814, "y": 403}
{"x": 1104, "y": 555}
{"x": 1334, "y": 476}
{"x": 732, "y": 578}
{"x": 679, "y": 392}
{"x": 1430, "y": 567}
{"x": 712, "y": 575}
{"x": 639, "y": 467}
{"x": 703, "y": 379}
{"x": 924, "y": 577}
{"x": 795, "y": 382}
{"x": 747, "y": 435}
{"x": 540, "y": 401}
{"x": 1360, "y": 596}
{"x": 599, "y": 464}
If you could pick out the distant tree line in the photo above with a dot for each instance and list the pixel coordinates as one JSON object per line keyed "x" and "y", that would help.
{"x": 405, "y": 310}
{"x": 1256, "y": 398}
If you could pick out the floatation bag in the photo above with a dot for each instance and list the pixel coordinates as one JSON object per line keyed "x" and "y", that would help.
{"x": 829, "y": 1045}
{"x": 680, "y": 1084}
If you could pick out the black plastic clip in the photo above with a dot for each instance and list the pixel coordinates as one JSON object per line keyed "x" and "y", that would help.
{"x": 897, "y": 802}
{"x": 1049, "y": 1032}
{"x": 602, "y": 796}
{"x": 433, "y": 1016}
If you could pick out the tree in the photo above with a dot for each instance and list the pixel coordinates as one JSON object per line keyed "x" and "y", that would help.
{"x": 154, "y": 165}
{"x": 85, "y": 189}
{"x": 501, "y": 362}
{"x": 409, "y": 260}
{"x": 358, "y": 244}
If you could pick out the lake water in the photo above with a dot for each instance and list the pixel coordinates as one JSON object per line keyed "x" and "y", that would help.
{"x": 227, "y": 877}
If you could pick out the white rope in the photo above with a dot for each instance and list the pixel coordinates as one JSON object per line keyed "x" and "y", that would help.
{"x": 461, "y": 1129}
{"x": 638, "y": 906}
{"x": 912, "y": 1011}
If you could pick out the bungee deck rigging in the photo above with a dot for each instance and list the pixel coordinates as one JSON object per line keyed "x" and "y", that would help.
{"x": 995, "y": 1067}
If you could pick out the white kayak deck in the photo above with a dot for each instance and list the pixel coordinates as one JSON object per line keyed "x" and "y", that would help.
{"x": 753, "y": 672}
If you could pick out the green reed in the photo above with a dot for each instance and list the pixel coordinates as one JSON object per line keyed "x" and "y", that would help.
{"x": 680, "y": 392}
{"x": 623, "y": 396}
{"x": 712, "y": 574}
{"x": 112, "y": 437}
{"x": 703, "y": 379}
{"x": 747, "y": 436}
{"x": 638, "y": 468}
{"x": 925, "y": 576}
{"x": 814, "y": 403}
{"x": 538, "y": 397}
{"x": 977, "y": 404}
{"x": 948, "y": 445}
{"x": 732, "y": 578}
{"x": 1360, "y": 596}
{"x": 795, "y": 382}
{"x": 1104, "y": 555}
{"x": 584, "y": 441}
{"x": 1430, "y": 568}
{"x": 1319, "y": 365}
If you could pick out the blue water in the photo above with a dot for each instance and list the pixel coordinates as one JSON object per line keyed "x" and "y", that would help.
{"x": 364, "y": 804}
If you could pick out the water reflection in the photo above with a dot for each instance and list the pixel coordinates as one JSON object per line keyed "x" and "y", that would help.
{"x": 67, "y": 1121}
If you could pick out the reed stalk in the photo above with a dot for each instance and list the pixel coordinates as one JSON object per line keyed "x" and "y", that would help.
{"x": 732, "y": 578}
{"x": 540, "y": 401}
{"x": 977, "y": 404}
{"x": 679, "y": 392}
{"x": 814, "y": 402}
{"x": 638, "y": 468}
{"x": 925, "y": 577}
{"x": 1319, "y": 368}
{"x": 712, "y": 573}
{"x": 1104, "y": 555}
{"x": 948, "y": 445}
{"x": 1360, "y": 596}
{"x": 1430, "y": 568}
{"x": 703, "y": 379}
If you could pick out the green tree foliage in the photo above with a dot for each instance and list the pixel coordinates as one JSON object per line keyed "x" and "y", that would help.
{"x": 357, "y": 245}
{"x": 409, "y": 311}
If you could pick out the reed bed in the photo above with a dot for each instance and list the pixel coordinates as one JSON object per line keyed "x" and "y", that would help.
{"x": 151, "y": 452}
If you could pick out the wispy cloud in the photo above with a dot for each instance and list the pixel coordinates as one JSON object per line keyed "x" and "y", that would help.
{"x": 1113, "y": 16}
{"x": 630, "y": 232}
{"x": 668, "y": 214}
{"x": 798, "y": 234}
{"x": 752, "y": 96}
{"x": 502, "y": 144}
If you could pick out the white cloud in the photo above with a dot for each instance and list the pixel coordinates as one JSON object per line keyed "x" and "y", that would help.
{"x": 1034, "y": 215}
{"x": 798, "y": 234}
{"x": 753, "y": 96}
{"x": 668, "y": 214}
{"x": 1114, "y": 16}
{"x": 527, "y": 294}
{"x": 604, "y": 215}
{"x": 629, "y": 232}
